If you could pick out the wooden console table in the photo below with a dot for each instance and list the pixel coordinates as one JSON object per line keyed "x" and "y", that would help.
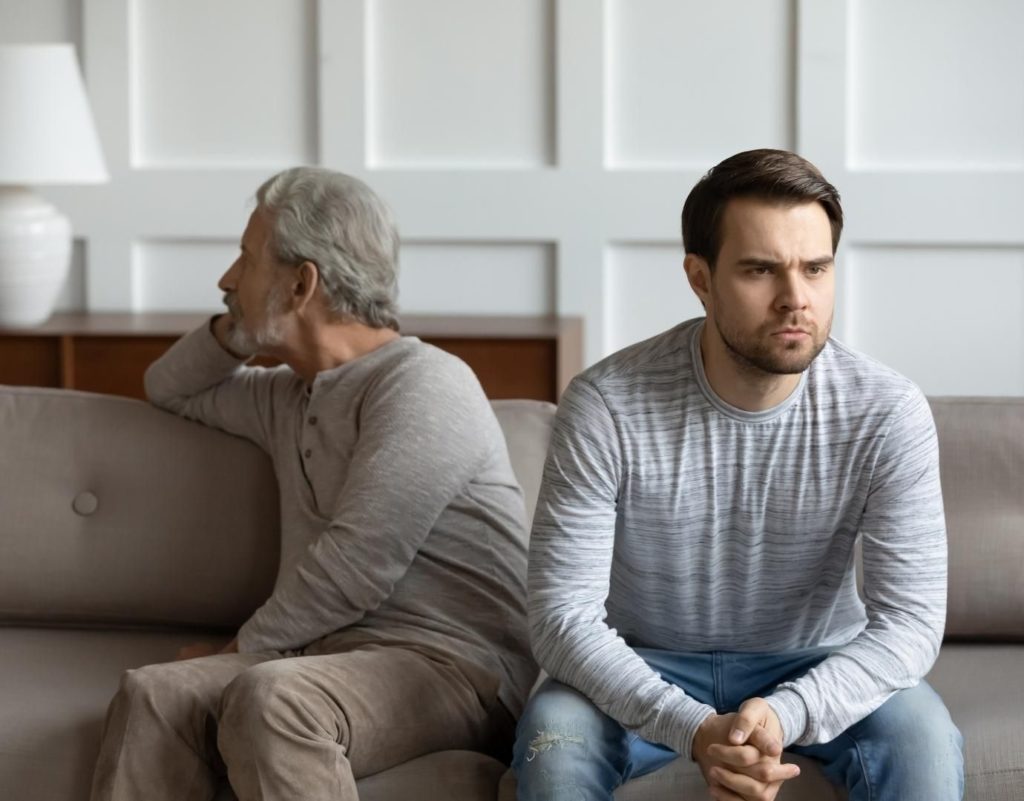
{"x": 514, "y": 357}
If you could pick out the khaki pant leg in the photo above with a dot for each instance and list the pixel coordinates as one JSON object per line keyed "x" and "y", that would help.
{"x": 159, "y": 738}
{"x": 307, "y": 727}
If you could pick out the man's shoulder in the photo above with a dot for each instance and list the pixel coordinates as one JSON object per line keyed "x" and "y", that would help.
{"x": 663, "y": 354}
{"x": 416, "y": 361}
{"x": 852, "y": 379}
{"x": 414, "y": 376}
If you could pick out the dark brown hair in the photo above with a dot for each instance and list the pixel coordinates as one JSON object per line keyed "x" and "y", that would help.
{"x": 776, "y": 176}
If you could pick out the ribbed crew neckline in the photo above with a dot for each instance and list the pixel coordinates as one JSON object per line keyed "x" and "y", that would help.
{"x": 742, "y": 415}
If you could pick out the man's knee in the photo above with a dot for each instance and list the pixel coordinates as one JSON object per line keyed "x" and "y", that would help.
{"x": 274, "y": 698}
{"x": 155, "y": 690}
{"x": 917, "y": 715}
{"x": 558, "y": 725}
{"x": 916, "y": 731}
{"x": 566, "y": 748}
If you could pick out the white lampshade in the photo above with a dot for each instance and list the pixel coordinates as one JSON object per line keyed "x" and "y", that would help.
{"x": 47, "y": 135}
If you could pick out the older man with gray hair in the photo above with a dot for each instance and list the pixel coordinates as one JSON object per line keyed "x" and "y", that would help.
{"x": 397, "y": 624}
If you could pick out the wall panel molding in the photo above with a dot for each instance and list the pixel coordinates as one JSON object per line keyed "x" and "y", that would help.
{"x": 612, "y": 121}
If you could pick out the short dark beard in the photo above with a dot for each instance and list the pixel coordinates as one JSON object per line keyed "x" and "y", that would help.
{"x": 758, "y": 360}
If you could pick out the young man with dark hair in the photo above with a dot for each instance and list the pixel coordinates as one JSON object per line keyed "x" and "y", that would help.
{"x": 692, "y": 581}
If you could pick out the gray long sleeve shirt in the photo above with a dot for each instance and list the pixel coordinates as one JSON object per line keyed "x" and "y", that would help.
{"x": 401, "y": 518}
{"x": 669, "y": 519}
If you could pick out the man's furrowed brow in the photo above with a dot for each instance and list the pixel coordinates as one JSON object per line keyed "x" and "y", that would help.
{"x": 753, "y": 261}
{"x": 821, "y": 261}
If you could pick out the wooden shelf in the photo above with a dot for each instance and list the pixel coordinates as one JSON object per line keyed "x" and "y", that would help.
{"x": 514, "y": 357}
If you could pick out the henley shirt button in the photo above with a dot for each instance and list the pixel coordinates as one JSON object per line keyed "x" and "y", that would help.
{"x": 308, "y": 453}
{"x": 312, "y": 420}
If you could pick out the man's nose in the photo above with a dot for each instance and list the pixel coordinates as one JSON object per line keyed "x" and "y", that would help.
{"x": 792, "y": 294}
{"x": 227, "y": 281}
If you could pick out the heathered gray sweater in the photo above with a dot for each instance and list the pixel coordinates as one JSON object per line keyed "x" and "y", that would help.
{"x": 670, "y": 519}
{"x": 401, "y": 518}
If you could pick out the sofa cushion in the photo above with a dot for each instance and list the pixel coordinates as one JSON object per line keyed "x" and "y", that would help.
{"x": 55, "y": 685}
{"x": 445, "y": 775}
{"x": 981, "y": 452}
{"x": 527, "y": 427}
{"x": 681, "y": 780}
{"x": 983, "y": 687}
{"x": 448, "y": 775}
{"x": 116, "y": 512}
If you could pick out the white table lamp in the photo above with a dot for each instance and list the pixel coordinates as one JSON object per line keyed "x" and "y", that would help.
{"x": 47, "y": 136}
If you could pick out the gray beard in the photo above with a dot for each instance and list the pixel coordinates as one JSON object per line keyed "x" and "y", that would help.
{"x": 245, "y": 342}
{"x": 270, "y": 335}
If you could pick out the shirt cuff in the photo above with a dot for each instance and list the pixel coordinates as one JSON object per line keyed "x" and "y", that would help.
{"x": 248, "y": 641}
{"x": 790, "y": 709}
{"x": 678, "y": 721}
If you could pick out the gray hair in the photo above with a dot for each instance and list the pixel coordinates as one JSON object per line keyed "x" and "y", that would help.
{"x": 342, "y": 226}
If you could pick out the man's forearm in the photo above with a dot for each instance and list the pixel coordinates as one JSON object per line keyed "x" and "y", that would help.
{"x": 616, "y": 679}
{"x": 194, "y": 363}
{"x": 853, "y": 682}
{"x": 201, "y": 380}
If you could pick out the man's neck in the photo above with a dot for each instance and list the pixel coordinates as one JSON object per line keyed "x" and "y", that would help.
{"x": 329, "y": 345}
{"x": 741, "y": 385}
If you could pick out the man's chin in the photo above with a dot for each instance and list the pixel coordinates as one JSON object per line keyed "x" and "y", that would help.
{"x": 240, "y": 341}
{"x": 792, "y": 362}
{"x": 788, "y": 368}
{"x": 773, "y": 361}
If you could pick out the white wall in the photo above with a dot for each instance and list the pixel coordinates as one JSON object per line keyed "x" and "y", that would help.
{"x": 537, "y": 152}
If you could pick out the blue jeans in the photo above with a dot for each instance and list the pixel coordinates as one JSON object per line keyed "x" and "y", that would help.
{"x": 906, "y": 750}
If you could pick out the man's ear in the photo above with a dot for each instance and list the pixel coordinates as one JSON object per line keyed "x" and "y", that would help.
{"x": 304, "y": 285}
{"x": 698, "y": 273}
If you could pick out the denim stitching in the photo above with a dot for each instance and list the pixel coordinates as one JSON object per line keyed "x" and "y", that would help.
{"x": 863, "y": 765}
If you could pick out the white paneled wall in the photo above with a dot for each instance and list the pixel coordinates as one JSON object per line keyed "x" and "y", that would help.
{"x": 216, "y": 85}
{"x": 27, "y": 21}
{"x": 953, "y": 317}
{"x": 460, "y": 84}
{"x": 538, "y": 152}
{"x": 647, "y": 291}
{"x": 72, "y": 296}
{"x": 690, "y": 82}
{"x": 174, "y": 274}
{"x": 470, "y": 278}
{"x": 949, "y": 95}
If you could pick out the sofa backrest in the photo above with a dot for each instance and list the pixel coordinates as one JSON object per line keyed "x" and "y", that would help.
{"x": 114, "y": 512}
{"x": 527, "y": 427}
{"x": 981, "y": 453}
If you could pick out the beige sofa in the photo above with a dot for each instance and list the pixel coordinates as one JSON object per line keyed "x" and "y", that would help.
{"x": 126, "y": 532}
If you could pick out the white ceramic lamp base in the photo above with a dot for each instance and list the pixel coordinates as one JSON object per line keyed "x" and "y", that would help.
{"x": 35, "y": 251}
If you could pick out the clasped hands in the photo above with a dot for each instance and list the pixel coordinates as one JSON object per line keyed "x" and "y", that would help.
{"x": 740, "y": 753}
